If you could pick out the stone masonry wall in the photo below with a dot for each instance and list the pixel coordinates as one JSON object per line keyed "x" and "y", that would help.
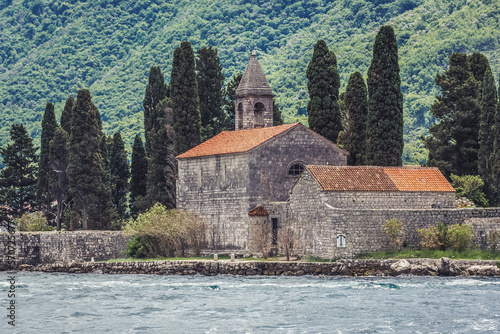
{"x": 47, "y": 247}
{"x": 215, "y": 187}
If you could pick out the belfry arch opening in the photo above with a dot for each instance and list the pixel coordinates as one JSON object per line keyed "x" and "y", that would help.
{"x": 240, "y": 116}
{"x": 258, "y": 110}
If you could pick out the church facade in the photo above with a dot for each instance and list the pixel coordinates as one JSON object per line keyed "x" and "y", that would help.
{"x": 265, "y": 175}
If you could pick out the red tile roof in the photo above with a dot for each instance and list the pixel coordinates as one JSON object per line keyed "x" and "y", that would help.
{"x": 228, "y": 142}
{"x": 373, "y": 178}
{"x": 258, "y": 211}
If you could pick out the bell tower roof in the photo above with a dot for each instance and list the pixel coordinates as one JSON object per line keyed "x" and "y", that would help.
{"x": 254, "y": 81}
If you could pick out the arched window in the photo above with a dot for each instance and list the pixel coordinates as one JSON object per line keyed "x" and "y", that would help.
{"x": 295, "y": 170}
{"x": 259, "y": 115}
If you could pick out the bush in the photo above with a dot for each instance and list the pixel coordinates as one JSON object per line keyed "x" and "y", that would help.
{"x": 163, "y": 232}
{"x": 32, "y": 222}
{"x": 470, "y": 186}
{"x": 394, "y": 230}
{"x": 457, "y": 237}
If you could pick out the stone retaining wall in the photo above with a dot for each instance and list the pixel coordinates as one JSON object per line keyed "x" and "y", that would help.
{"x": 33, "y": 248}
{"x": 420, "y": 267}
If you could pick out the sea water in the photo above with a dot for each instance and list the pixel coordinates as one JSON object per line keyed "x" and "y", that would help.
{"x": 100, "y": 303}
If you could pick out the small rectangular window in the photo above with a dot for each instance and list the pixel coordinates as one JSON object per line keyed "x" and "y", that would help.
{"x": 340, "y": 240}
{"x": 275, "y": 230}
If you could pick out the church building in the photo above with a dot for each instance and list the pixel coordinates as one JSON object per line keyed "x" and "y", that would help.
{"x": 260, "y": 173}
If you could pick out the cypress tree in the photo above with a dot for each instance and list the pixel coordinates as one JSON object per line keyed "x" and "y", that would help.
{"x": 229, "y": 104}
{"x": 356, "y": 105}
{"x": 138, "y": 171}
{"x": 210, "y": 82}
{"x": 277, "y": 120}
{"x": 185, "y": 101}
{"x": 489, "y": 102}
{"x": 59, "y": 177}
{"x": 85, "y": 165}
{"x": 156, "y": 91}
{"x": 161, "y": 165}
{"x": 385, "y": 102}
{"x": 324, "y": 81}
{"x": 453, "y": 142}
{"x": 478, "y": 66}
{"x": 119, "y": 175}
{"x": 495, "y": 156}
{"x": 49, "y": 125}
{"x": 18, "y": 177}
{"x": 66, "y": 115}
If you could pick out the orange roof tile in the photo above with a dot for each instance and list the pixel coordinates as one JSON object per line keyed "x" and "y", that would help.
{"x": 373, "y": 178}
{"x": 228, "y": 142}
{"x": 258, "y": 211}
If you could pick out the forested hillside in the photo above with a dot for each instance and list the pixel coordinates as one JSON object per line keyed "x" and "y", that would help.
{"x": 50, "y": 49}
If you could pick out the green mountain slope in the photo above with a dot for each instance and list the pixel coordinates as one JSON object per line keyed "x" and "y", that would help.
{"x": 50, "y": 49}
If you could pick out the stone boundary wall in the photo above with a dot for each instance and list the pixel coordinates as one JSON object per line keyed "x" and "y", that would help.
{"x": 33, "y": 248}
{"x": 417, "y": 267}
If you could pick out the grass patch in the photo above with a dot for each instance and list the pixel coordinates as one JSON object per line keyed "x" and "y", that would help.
{"x": 433, "y": 254}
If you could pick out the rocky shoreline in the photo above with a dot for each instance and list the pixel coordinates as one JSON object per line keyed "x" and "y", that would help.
{"x": 416, "y": 267}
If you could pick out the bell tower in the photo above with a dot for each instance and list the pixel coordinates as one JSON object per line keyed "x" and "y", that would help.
{"x": 253, "y": 99}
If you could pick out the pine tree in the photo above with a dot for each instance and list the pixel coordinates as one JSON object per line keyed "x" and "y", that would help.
{"x": 119, "y": 175}
{"x": 229, "y": 104}
{"x": 156, "y": 91}
{"x": 185, "y": 101}
{"x": 210, "y": 82}
{"x": 277, "y": 120}
{"x": 453, "y": 142}
{"x": 49, "y": 125}
{"x": 18, "y": 177}
{"x": 85, "y": 165}
{"x": 385, "y": 102}
{"x": 138, "y": 171}
{"x": 161, "y": 165}
{"x": 356, "y": 105}
{"x": 489, "y": 102}
{"x": 66, "y": 115}
{"x": 324, "y": 81}
{"x": 59, "y": 178}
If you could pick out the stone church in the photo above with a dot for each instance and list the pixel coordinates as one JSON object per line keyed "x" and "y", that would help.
{"x": 290, "y": 174}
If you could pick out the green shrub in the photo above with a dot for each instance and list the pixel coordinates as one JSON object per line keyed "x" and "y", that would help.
{"x": 33, "y": 222}
{"x": 470, "y": 186}
{"x": 394, "y": 230}
{"x": 457, "y": 237}
{"x": 163, "y": 232}
{"x": 136, "y": 248}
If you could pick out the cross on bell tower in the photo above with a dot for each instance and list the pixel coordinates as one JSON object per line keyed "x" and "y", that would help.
{"x": 253, "y": 99}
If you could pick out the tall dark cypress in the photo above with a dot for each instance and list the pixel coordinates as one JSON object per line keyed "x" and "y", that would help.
{"x": 229, "y": 104}
{"x": 85, "y": 165}
{"x": 49, "y": 125}
{"x": 488, "y": 103}
{"x": 385, "y": 102}
{"x": 453, "y": 142}
{"x": 495, "y": 156}
{"x": 59, "y": 177}
{"x": 66, "y": 114}
{"x": 185, "y": 101}
{"x": 138, "y": 171}
{"x": 156, "y": 91}
{"x": 479, "y": 64}
{"x": 356, "y": 105}
{"x": 120, "y": 172}
{"x": 323, "y": 109}
{"x": 161, "y": 163}
{"x": 210, "y": 82}
{"x": 18, "y": 177}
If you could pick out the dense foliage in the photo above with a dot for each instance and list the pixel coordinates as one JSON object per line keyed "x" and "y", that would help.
{"x": 384, "y": 130}
{"x": 323, "y": 110}
{"x": 50, "y": 49}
